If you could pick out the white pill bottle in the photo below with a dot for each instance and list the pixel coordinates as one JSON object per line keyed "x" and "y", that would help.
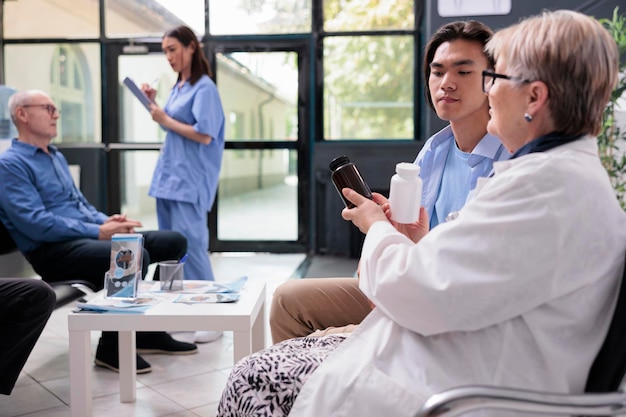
{"x": 405, "y": 193}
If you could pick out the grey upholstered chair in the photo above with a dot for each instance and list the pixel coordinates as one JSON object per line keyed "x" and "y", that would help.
{"x": 604, "y": 394}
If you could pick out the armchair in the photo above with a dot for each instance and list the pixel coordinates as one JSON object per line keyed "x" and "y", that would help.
{"x": 66, "y": 291}
{"x": 602, "y": 397}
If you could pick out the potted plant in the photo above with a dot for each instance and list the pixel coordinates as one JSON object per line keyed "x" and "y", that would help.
{"x": 613, "y": 155}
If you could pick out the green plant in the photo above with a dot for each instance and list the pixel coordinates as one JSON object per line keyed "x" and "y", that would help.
{"x": 613, "y": 158}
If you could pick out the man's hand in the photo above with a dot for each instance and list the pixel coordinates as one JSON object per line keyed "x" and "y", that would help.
{"x": 366, "y": 212}
{"x": 117, "y": 223}
{"x": 116, "y": 218}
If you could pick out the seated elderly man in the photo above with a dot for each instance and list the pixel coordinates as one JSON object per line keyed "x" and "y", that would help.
{"x": 59, "y": 232}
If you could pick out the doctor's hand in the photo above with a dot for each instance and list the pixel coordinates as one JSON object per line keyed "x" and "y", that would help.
{"x": 366, "y": 212}
{"x": 149, "y": 91}
{"x": 159, "y": 115}
{"x": 415, "y": 231}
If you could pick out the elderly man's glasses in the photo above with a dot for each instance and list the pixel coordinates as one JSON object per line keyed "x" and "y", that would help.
{"x": 489, "y": 78}
{"x": 49, "y": 108}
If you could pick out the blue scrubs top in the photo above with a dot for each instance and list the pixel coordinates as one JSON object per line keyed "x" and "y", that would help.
{"x": 188, "y": 171}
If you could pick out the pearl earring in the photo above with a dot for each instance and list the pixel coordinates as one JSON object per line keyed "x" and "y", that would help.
{"x": 528, "y": 117}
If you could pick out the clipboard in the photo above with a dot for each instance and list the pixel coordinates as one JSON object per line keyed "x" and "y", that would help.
{"x": 137, "y": 93}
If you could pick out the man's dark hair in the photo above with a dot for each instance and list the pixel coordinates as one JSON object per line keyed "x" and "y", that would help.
{"x": 471, "y": 30}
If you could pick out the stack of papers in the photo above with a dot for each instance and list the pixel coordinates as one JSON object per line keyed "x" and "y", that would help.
{"x": 100, "y": 304}
{"x": 206, "y": 287}
{"x": 194, "y": 292}
{"x": 206, "y": 298}
{"x": 150, "y": 294}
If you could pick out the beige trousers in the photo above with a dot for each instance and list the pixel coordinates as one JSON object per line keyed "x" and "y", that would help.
{"x": 321, "y": 305}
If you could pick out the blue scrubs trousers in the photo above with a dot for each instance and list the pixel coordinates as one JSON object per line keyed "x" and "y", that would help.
{"x": 191, "y": 221}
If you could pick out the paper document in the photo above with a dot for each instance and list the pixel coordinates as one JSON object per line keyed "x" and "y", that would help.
{"x": 207, "y": 287}
{"x": 107, "y": 305}
{"x": 206, "y": 298}
{"x": 137, "y": 93}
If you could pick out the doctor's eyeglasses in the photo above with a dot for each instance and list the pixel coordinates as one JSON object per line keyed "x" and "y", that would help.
{"x": 489, "y": 78}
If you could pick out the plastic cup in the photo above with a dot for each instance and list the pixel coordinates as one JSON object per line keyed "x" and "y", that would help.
{"x": 171, "y": 274}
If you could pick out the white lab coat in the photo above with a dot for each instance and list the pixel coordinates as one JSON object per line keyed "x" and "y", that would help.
{"x": 518, "y": 291}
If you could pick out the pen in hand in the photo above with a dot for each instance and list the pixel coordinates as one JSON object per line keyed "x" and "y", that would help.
{"x": 149, "y": 89}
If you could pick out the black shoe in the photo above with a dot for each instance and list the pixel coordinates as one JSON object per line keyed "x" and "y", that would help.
{"x": 161, "y": 342}
{"x": 107, "y": 357}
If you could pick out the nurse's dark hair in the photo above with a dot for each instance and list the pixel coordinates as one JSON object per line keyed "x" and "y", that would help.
{"x": 199, "y": 63}
{"x": 470, "y": 30}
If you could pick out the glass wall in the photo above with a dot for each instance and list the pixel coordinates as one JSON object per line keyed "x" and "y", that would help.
{"x": 51, "y": 19}
{"x": 259, "y": 93}
{"x": 367, "y": 51}
{"x": 141, "y": 18}
{"x": 369, "y": 69}
{"x": 136, "y": 124}
{"x": 368, "y": 15}
{"x": 290, "y": 73}
{"x": 70, "y": 73}
{"x": 258, "y": 196}
{"x": 368, "y": 87}
{"x": 136, "y": 170}
{"x": 259, "y": 17}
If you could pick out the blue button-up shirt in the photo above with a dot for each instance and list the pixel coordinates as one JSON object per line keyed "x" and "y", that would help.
{"x": 39, "y": 202}
{"x": 432, "y": 161}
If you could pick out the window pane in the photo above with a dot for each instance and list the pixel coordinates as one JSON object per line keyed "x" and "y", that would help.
{"x": 135, "y": 177}
{"x": 128, "y": 18}
{"x": 368, "y": 87}
{"x": 259, "y": 92}
{"x": 254, "y": 183}
{"x": 343, "y": 15}
{"x": 70, "y": 73}
{"x": 236, "y": 17}
{"x": 136, "y": 124}
{"x": 33, "y": 19}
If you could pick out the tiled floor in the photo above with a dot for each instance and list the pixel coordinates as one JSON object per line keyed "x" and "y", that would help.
{"x": 184, "y": 386}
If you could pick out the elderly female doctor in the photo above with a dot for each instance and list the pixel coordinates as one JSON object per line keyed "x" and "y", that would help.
{"x": 519, "y": 289}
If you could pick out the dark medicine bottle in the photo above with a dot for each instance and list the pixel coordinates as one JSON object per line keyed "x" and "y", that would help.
{"x": 346, "y": 175}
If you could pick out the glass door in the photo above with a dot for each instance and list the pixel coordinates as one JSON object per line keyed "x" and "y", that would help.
{"x": 261, "y": 203}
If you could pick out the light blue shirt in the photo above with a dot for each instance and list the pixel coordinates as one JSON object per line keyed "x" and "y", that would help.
{"x": 188, "y": 171}
{"x": 456, "y": 182}
{"x": 432, "y": 161}
{"x": 39, "y": 202}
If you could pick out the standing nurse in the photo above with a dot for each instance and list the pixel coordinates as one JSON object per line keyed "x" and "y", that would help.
{"x": 187, "y": 172}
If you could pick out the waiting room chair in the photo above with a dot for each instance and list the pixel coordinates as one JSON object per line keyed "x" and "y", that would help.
{"x": 603, "y": 396}
{"x": 66, "y": 291}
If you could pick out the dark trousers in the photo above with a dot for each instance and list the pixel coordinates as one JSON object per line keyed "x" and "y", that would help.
{"x": 89, "y": 259}
{"x": 25, "y": 306}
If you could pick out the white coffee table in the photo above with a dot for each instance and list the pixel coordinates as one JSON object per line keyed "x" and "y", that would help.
{"x": 245, "y": 318}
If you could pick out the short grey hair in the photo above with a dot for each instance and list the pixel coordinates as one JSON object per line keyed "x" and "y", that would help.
{"x": 573, "y": 54}
{"x": 20, "y": 99}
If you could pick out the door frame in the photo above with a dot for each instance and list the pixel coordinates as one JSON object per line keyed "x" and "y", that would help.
{"x": 301, "y": 45}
